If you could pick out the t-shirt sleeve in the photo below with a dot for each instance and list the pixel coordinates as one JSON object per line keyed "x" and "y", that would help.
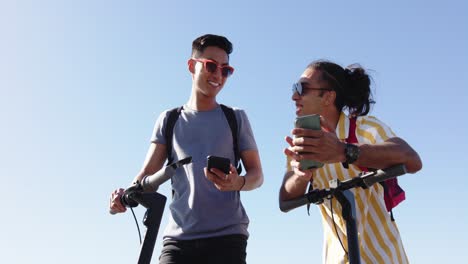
{"x": 246, "y": 137}
{"x": 159, "y": 129}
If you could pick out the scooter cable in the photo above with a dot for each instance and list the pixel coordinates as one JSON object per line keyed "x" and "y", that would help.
{"x": 136, "y": 222}
{"x": 336, "y": 230}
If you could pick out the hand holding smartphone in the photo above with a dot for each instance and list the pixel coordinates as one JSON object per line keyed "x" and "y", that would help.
{"x": 309, "y": 122}
{"x": 220, "y": 163}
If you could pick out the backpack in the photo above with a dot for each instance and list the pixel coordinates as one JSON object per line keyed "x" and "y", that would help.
{"x": 231, "y": 118}
{"x": 393, "y": 193}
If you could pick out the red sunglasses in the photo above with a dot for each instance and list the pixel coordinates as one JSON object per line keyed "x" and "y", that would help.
{"x": 211, "y": 66}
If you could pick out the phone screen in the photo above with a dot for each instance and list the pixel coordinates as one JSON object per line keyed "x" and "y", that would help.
{"x": 222, "y": 164}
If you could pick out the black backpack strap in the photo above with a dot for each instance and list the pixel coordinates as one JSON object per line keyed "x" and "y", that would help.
{"x": 231, "y": 118}
{"x": 170, "y": 123}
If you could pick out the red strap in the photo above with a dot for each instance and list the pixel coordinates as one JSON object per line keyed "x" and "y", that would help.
{"x": 352, "y": 131}
{"x": 352, "y": 139}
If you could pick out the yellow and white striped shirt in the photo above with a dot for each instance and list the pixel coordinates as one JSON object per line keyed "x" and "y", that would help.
{"x": 379, "y": 239}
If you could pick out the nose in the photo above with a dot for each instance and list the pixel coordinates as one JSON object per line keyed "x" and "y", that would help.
{"x": 295, "y": 96}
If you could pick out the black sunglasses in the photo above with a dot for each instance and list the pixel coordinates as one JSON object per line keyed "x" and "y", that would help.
{"x": 297, "y": 88}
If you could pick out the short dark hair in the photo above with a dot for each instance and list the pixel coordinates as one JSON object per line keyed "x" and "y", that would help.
{"x": 201, "y": 43}
{"x": 351, "y": 84}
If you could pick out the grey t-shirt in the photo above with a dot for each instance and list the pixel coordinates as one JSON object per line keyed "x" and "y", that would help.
{"x": 198, "y": 209}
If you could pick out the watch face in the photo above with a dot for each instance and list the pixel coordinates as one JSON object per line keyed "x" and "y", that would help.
{"x": 352, "y": 153}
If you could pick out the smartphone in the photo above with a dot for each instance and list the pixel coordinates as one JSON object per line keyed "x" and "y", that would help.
{"x": 309, "y": 122}
{"x": 220, "y": 163}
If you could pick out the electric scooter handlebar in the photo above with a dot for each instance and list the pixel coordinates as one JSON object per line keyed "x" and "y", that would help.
{"x": 364, "y": 181}
{"x": 383, "y": 175}
{"x": 151, "y": 183}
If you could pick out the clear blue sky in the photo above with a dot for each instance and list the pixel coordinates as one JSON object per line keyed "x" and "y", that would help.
{"x": 82, "y": 82}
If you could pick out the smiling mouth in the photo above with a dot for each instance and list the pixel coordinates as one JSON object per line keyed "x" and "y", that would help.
{"x": 298, "y": 108}
{"x": 214, "y": 83}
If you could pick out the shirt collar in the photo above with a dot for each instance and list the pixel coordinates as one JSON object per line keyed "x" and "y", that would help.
{"x": 342, "y": 128}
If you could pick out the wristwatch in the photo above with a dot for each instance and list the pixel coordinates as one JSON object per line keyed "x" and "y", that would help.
{"x": 351, "y": 154}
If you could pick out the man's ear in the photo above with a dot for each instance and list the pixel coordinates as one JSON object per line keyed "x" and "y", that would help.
{"x": 191, "y": 66}
{"x": 330, "y": 98}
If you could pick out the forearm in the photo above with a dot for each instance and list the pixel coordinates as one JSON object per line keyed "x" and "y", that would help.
{"x": 293, "y": 186}
{"x": 142, "y": 174}
{"x": 154, "y": 161}
{"x": 253, "y": 180}
{"x": 253, "y": 171}
{"x": 391, "y": 152}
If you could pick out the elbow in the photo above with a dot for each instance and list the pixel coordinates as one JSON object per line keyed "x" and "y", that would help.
{"x": 409, "y": 157}
{"x": 260, "y": 180}
{"x": 415, "y": 164}
{"x": 283, "y": 206}
{"x": 257, "y": 178}
{"x": 282, "y": 201}
{"x": 414, "y": 167}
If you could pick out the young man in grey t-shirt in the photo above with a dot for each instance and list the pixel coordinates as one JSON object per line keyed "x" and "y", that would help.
{"x": 208, "y": 223}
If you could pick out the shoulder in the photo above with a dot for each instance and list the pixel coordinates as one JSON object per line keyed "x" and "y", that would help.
{"x": 371, "y": 126}
{"x": 234, "y": 108}
{"x": 239, "y": 112}
{"x": 165, "y": 114}
{"x": 369, "y": 122}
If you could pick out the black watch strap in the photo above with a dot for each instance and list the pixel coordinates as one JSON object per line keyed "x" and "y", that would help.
{"x": 351, "y": 154}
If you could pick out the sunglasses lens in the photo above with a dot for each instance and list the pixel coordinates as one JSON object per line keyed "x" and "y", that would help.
{"x": 211, "y": 66}
{"x": 226, "y": 71}
{"x": 297, "y": 88}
